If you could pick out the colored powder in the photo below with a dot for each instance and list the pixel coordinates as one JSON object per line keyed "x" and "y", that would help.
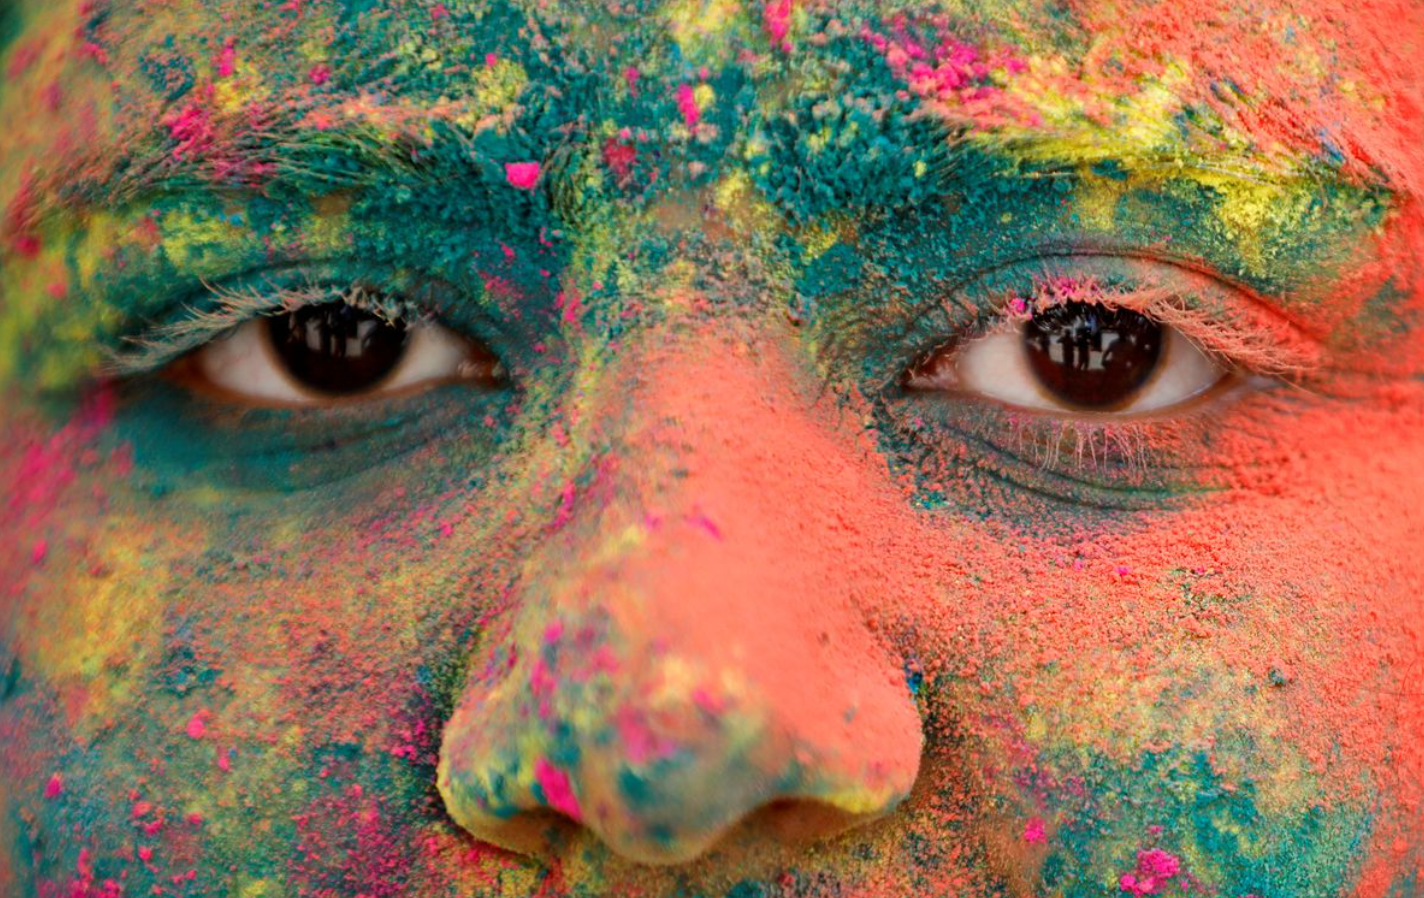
{"x": 522, "y": 175}
{"x": 1155, "y": 871}
{"x": 1034, "y": 832}
{"x": 776, "y": 18}
{"x": 192, "y": 130}
{"x": 227, "y": 60}
{"x": 687, "y": 105}
{"x": 558, "y": 790}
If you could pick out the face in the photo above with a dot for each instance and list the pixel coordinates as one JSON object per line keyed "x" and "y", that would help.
{"x": 496, "y": 448}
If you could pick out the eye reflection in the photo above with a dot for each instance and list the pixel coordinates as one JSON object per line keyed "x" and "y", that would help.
{"x": 334, "y": 351}
{"x": 335, "y": 348}
{"x": 1075, "y": 357}
{"x": 1091, "y": 356}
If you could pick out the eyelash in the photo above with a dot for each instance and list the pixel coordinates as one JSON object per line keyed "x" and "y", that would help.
{"x": 231, "y": 307}
{"x": 1257, "y": 341}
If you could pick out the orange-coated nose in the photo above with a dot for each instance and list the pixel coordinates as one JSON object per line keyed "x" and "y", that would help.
{"x": 689, "y": 646}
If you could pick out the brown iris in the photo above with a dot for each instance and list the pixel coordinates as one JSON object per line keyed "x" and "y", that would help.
{"x": 1091, "y": 356}
{"x": 335, "y": 348}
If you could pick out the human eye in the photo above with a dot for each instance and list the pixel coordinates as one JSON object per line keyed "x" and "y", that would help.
{"x": 286, "y": 381}
{"x": 1095, "y": 380}
{"x": 340, "y": 349}
{"x": 1075, "y": 357}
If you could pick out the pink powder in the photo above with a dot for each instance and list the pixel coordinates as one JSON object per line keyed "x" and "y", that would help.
{"x": 54, "y": 787}
{"x": 640, "y": 743}
{"x": 700, "y": 520}
{"x": 41, "y": 549}
{"x": 687, "y": 105}
{"x": 1033, "y": 832}
{"x": 319, "y": 73}
{"x": 522, "y": 175}
{"x": 566, "y": 506}
{"x": 197, "y": 728}
{"x": 1158, "y": 863}
{"x": 94, "y": 51}
{"x": 776, "y": 18}
{"x": 554, "y": 632}
{"x": 571, "y": 303}
{"x": 708, "y": 701}
{"x": 558, "y": 791}
{"x": 1155, "y": 870}
{"x": 27, "y": 245}
{"x": 227, "y": 59}
{"x": 191, "y": 128}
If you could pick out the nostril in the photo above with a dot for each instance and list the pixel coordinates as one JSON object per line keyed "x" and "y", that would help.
{"x": 545, "y": 835}
{"x": 798, "y": 821}
{"x": 540, "y": 834}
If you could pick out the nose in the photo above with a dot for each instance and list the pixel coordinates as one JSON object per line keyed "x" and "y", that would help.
{"x": 688, "y": 650}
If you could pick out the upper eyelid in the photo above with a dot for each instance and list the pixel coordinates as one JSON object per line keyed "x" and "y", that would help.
{"x": 162, "y": 344}
{"x": 1279, "y": 354}
{"x": 1268, "y": 344}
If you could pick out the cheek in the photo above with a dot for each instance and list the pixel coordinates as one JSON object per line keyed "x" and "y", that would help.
{"x": 1242, "y": 665}
{"x": 187, "y": 672}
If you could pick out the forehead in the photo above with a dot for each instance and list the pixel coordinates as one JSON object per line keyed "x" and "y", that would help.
{"x": 1332, "y": 79}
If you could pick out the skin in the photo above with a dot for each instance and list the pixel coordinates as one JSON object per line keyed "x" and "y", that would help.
{"x": 699, "y": 601}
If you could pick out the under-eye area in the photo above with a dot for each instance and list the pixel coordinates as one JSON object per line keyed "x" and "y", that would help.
{"x": 272, "y": 387}
{"x": 182, "y": 436}
{"x": 969, "y": 450}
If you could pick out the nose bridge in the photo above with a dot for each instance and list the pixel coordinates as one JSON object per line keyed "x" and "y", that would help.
{"x": 689, "y": 642}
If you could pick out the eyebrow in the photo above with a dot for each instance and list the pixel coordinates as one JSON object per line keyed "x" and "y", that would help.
{"x": 305, "y": 159}
{"x": 293, "y": 159}
{"x": 199, "y": 152}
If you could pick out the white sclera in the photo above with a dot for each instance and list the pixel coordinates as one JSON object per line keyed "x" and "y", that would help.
{"x": 997, "y": 366}
{"x": 242, "y": 362}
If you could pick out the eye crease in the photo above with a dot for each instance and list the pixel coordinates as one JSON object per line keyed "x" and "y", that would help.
{"x": 331, "y": 352}
{"x": 1074, "y": 358}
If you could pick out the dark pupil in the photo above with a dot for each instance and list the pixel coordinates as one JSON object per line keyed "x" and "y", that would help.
{"x": 335, "y": 348}
{"x": 1090, "y": 356}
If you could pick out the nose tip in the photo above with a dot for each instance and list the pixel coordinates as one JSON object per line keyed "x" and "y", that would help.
{"x": 687, "y": 653}
{"x": 656, "y": 772}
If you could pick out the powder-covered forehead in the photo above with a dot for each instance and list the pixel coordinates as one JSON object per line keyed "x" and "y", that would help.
{"x": 1272, "y": 82}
